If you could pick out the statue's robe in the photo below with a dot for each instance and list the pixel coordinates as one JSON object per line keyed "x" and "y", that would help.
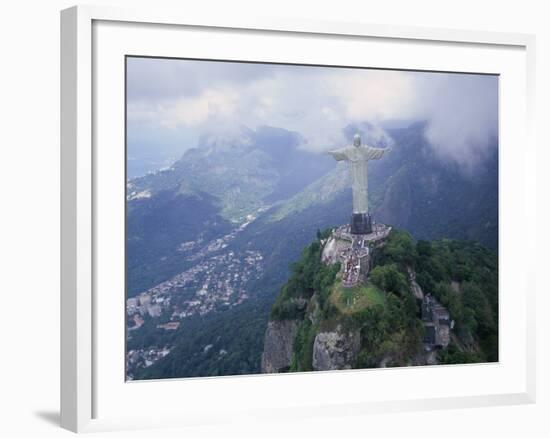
{"x": 358, "y": 156}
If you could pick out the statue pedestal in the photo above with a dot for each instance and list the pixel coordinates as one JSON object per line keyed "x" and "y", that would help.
{"x": 361, "y": 223}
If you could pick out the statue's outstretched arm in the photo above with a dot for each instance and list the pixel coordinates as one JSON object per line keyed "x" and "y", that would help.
{"x": 375, "y": 153}
{"x": 338, "y": 154}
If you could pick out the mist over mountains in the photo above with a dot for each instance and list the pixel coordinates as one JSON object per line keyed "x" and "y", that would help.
{"x": 173, "y": 99}
{"x": 412, "y": 187}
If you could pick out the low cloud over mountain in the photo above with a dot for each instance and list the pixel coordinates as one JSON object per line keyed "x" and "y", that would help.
{"x": 172, "y": 102}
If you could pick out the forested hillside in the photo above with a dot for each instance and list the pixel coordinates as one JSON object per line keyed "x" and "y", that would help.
{"x": 384, "y": 314}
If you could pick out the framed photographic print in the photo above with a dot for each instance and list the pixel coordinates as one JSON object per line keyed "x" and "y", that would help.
{"x": 266, "y": 218}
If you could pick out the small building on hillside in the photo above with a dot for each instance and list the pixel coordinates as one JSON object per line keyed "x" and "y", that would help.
{"x": 437, "y": 323}
{"x": 353, "y": 251}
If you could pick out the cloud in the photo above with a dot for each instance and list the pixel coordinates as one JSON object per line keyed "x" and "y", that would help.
{"x": 461, "y": 110}
{"x": 463, "y": 117}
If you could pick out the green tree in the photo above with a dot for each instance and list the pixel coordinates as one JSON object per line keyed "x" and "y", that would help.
{"x": 389, "y": 278}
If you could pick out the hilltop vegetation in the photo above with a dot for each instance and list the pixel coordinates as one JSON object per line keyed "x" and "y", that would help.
{"x": 463, "y": 276}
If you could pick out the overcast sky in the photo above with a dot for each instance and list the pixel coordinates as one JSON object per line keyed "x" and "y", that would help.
{"x": 172, "y": 102}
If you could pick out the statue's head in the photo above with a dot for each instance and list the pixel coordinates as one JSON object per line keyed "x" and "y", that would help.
{"x": 356, "y": 140}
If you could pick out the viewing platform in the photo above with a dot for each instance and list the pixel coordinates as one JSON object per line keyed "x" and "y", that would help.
{"x": 353, "y": 251}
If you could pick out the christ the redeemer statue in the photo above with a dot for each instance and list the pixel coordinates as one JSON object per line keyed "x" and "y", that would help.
{"x": 358, "y": 156}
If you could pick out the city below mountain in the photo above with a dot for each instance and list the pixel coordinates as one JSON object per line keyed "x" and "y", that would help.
{"x": 219, "y": 282}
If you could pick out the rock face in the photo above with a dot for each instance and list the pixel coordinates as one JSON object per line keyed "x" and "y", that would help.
{"x": 330, "y": 254}
{"x": 278, "y": 343}
{"x": 335, "y": 350}
{"x": 415, "y": 287}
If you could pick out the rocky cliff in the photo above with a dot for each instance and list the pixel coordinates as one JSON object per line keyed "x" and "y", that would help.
{"x": 279, "y": 339}
{"x": 336, "y": 349}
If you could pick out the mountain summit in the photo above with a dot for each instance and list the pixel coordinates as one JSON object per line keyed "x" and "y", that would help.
{"x": 422, "y": 303}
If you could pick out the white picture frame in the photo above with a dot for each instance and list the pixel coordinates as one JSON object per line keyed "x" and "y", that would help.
{"x": 81, "y": 170}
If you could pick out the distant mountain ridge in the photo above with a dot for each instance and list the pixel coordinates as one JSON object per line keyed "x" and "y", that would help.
{"x": 244, "y": 171}
{"x": 413, "y": 189}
